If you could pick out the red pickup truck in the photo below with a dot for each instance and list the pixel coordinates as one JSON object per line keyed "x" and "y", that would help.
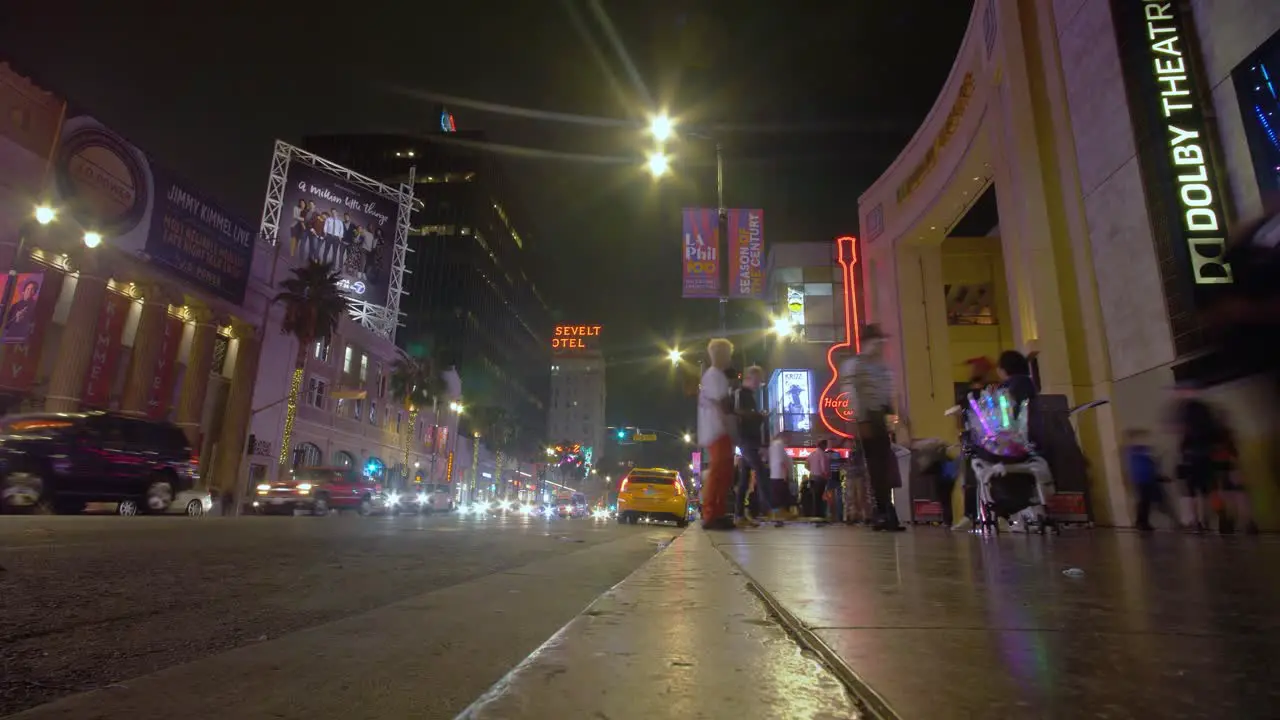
{"x": 318, "y": 490}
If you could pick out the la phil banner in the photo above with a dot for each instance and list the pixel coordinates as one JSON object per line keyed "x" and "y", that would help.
{"x": 746, "y": 252}
{"x": 111, "y": 186}
{"x": 700, "y": 264}
{"x": 106, "y": 350}
{"x": 332, "y": 221}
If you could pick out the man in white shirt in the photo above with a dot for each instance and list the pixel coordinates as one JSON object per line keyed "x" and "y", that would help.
{"x": 713, "y": 434}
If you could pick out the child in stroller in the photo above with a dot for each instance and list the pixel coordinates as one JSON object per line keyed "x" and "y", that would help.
{"x": 1013, "y": 481}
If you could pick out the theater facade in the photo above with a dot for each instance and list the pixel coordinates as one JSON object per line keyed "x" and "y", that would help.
{"x": 1070, "y": 194}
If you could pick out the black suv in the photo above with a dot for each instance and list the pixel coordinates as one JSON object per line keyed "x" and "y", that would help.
{"x": 60, "y": 461}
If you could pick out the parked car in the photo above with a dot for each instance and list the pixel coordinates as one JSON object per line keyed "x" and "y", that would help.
{"x": 318, "y": 490}
{"x": 192, "y": 503}
{"x": 59, "y": 462}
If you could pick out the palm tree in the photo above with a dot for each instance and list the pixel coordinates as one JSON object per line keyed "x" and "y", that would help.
{"x": 313, "y": 306}
{"x": 498, "y": 433}
{"x": 415, "y": 381}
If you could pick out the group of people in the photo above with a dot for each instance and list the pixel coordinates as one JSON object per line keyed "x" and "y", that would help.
{"x": 332, "y": 236}
{"x": 729, "y": 417}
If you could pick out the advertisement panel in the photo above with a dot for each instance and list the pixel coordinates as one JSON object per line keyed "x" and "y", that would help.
{"x": 162, "y": 383}
{"x": 21, "y": 362}
{"x": 796, "y": 399}
{"x": 20, "y": 306}
{"x": 700, "y": 261}
{"x": 746, "y": 252}
{"x": 106, "y": 350}
{"x": 329, "y": 219}
{"x": 112, "y": 187}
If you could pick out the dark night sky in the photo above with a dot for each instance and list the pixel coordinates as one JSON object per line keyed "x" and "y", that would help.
{"x": 829, "y": 92}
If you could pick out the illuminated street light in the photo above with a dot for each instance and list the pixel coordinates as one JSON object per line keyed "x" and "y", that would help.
{"x": 658, "y": 164}
{"x": 456, "y": 407}
{"x": 661, "y": 127}
{"x": 92, "y": 240}
{"x": 673, "y": 356}
{"x": 783, "y": 327}
{"x": 45, "y": 214}
{"x": 551, "y": 452}
{"x": 688, "y": 438}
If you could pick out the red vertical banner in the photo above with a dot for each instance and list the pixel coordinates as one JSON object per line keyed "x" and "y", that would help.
{"x": 21, "y": 363}
{"x": 106, "y": 350}
{"x": 162, "y": 383}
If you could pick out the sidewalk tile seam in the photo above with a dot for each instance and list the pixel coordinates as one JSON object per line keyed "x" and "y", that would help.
{"x": 864, "y": 695}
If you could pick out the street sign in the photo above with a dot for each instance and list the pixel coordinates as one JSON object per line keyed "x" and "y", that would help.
{"x": 641, "y": 437}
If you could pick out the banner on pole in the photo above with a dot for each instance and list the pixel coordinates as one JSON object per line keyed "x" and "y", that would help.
{"x": 700, "y": 261}
{"x": 746, "y": 254}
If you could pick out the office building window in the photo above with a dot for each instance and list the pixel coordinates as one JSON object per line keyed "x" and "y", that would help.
{"x": 364, "y": 368}
{"x": 346, "y": 359}
{"x": 316, "y": 389}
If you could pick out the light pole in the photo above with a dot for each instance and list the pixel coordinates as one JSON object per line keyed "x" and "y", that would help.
{"x": 662, "y": 127}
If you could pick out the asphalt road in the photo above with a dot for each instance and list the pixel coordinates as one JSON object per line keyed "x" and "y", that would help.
{"x": 92, "y": 602}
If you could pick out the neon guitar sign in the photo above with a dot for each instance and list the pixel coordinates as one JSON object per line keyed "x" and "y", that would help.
{"x": 834, "y": 406}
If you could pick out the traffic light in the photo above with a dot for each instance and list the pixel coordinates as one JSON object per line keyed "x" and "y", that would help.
{"x": 622, "y": 433}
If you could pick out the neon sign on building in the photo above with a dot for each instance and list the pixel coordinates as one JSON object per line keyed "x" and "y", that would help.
{"x": 834, "y": 405}
{"x": 574, "y": 337}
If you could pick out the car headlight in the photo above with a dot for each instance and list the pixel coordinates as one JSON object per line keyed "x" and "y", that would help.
{"x": 393, "y": 499}
{"x": 505, "y": 505}
{"x": 422, "y": 499}
{"x": 264, "y": 487}
{"x": 304, "y": 487}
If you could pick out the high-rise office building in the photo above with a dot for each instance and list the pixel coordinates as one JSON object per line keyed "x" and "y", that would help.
{"x": 578, "y": 400}
{"x": 467, "y": 291}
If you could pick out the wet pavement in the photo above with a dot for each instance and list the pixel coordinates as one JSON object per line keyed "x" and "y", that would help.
{"x": 943, "y": 625}
{"x": 682, "y": 637}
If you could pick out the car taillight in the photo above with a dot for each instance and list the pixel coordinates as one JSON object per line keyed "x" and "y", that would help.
{"x": 623, "y": 486}
{"x": 195, "y": 459}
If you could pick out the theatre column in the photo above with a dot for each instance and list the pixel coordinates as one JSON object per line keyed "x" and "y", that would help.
{"x": 195, "y": 381}
{"x": 235, "y": 421}
{"x": 79, "y": 338}
{"x": 147, "y": 342}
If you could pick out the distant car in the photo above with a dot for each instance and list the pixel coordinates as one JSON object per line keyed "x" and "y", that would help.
{"x": 573, "y": 506}
{"x": 318, "y": 490}
{"x": 192, "y": 503}
{"x": 60, "y": 462}
{"x": 655, "y": 494}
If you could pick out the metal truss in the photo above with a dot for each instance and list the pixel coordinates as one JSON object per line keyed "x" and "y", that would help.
{"x": 382, "y": 320}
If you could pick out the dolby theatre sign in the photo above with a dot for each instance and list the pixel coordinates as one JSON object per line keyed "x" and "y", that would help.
{"x": 1166, "y": 100}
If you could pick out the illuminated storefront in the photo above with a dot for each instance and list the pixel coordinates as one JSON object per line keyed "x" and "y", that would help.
{"x": 1070, "y": 194}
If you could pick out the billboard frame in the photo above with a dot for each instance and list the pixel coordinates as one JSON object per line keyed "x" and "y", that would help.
{"x": 382, "y": 320}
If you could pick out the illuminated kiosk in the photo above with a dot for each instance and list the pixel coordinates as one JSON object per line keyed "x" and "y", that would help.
{"x": 1078, "y": 131}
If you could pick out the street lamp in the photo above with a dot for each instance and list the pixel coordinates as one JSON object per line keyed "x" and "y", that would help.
{"x": 45, "y": 214}
{"x": 551, "y": 452}
{"x": 92, "y": 239}
{"x": 674, "y": 356}
{"x": 688, "y": 438}
{"x": 661, "y": 127}
{"x": 782, "y": 327}
{"x": 456, "y": 407}
{"x": 658, "y": 164}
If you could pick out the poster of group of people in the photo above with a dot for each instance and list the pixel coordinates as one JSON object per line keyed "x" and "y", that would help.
{"x": 352, "y": 228}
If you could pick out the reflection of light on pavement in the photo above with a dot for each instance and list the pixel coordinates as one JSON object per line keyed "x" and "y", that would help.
{"x": 1020, "y": 641}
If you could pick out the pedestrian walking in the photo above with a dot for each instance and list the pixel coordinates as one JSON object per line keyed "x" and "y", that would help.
{"x": 871, "y": 384}
{"x": 1201, "y": 435}
{"x": 819, "y": 476}
{"x": 780, "y": 475}
{"x": 1144, "y": 474}
{"x": 714, "y": 418}
{"x": 751, "y": 441}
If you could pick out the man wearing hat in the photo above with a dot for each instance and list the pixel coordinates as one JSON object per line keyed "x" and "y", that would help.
{"x": 871, "y": 384}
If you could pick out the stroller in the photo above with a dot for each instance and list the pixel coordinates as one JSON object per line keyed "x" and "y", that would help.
{"x": 1013, "y": 481}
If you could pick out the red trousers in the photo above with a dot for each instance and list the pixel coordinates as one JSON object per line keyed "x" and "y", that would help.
{"x": 715, "y": 490}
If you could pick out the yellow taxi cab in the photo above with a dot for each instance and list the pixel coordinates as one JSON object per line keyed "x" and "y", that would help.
{"x": 653, "y": 493}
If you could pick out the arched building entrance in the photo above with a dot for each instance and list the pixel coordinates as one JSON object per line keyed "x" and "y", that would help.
{"x": 1039, "y": 207}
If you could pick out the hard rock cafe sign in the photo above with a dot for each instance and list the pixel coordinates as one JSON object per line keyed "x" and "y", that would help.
{"x": 834, "y": 405}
